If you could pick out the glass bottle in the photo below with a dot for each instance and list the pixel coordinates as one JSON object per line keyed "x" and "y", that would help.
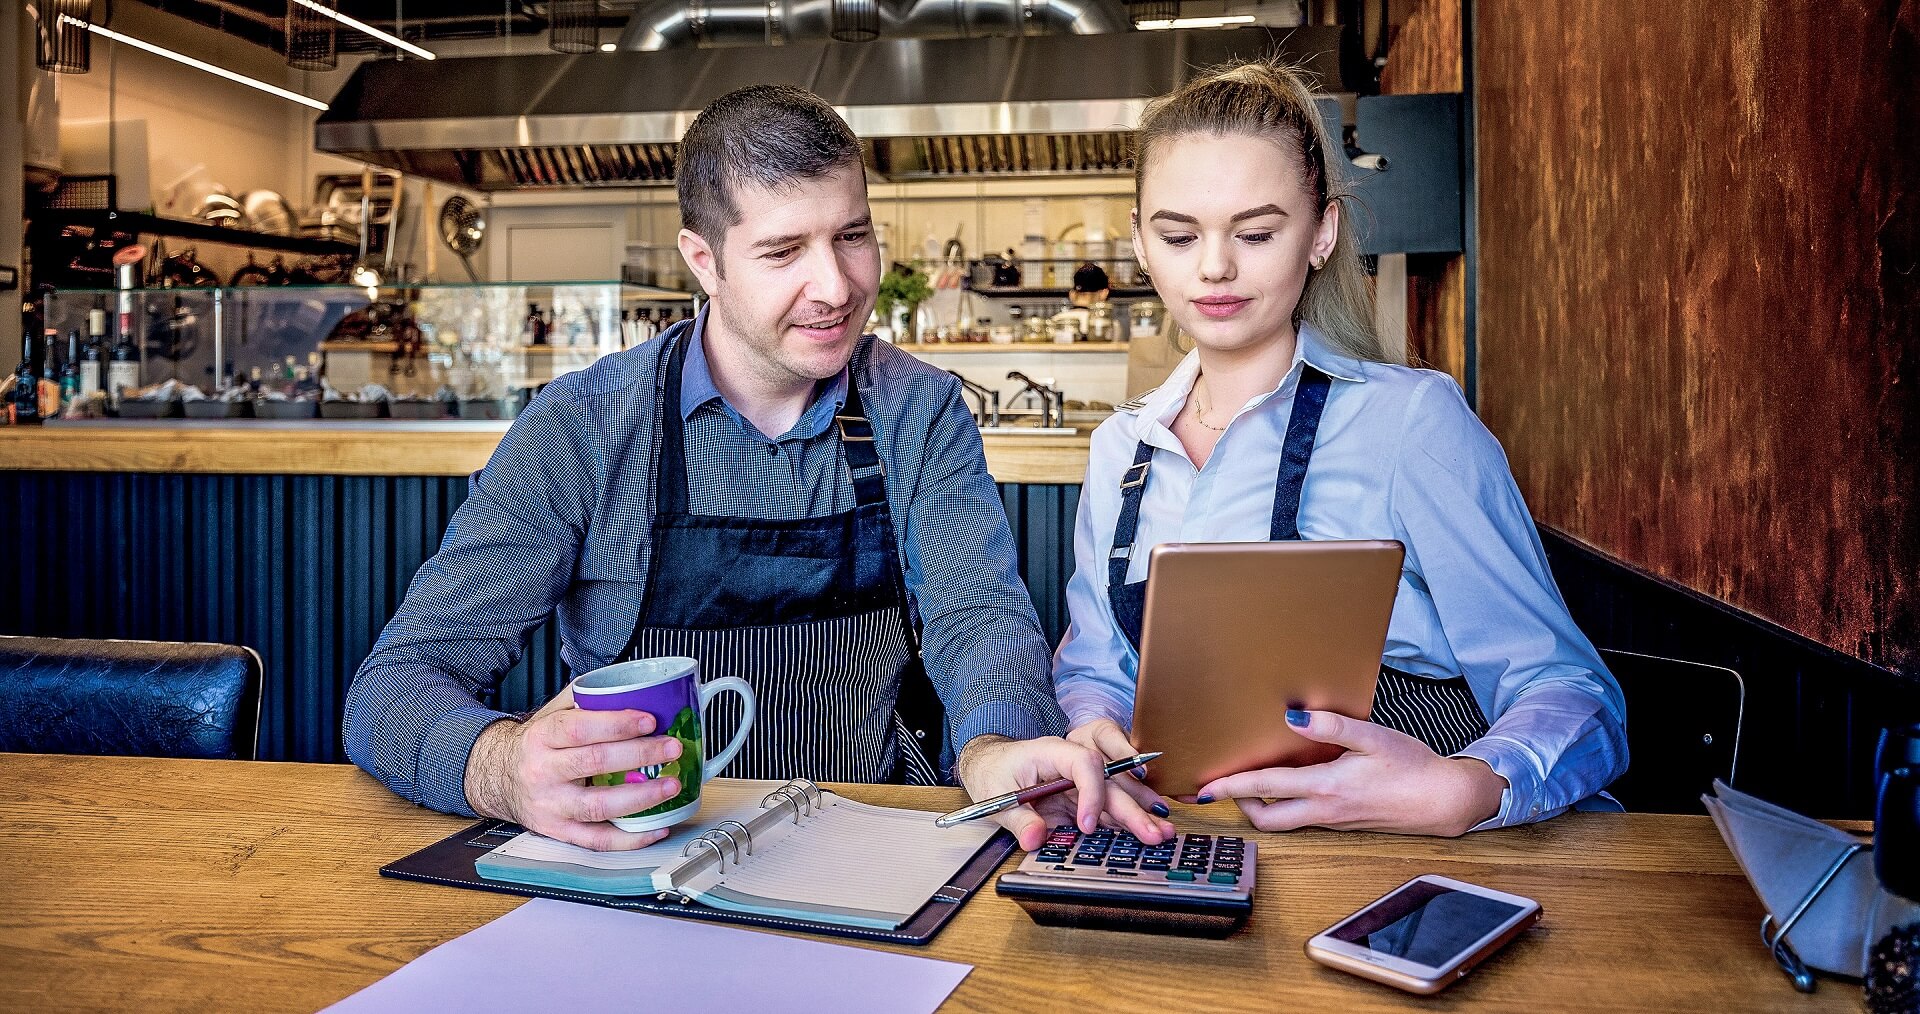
{"x": 123, "y": 364}
{"x": 70, "y": 370}
{"x": 24, "y": 397}
{"x": 93, "y": 352}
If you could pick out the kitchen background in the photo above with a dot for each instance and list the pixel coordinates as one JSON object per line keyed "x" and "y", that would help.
{"x": 1686, "y": 300}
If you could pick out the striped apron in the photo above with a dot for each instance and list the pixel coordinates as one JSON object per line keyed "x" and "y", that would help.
{"x": 811, "y": 612}
{"x": 1440, "y": 712}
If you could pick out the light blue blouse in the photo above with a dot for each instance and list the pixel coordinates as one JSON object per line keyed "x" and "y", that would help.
{"x": 1399, "y": 456}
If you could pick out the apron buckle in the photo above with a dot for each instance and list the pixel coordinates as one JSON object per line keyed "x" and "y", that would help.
{"x": 1136, "y": 475}
{"x": 848, "y": 423}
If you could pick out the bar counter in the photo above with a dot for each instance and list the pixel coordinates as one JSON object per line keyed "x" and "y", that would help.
{"x": 299, "y": 538}
{"x": 377, "y": 447}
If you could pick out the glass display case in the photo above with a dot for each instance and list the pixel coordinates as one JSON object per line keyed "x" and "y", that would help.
{"x": 338, "y": 351}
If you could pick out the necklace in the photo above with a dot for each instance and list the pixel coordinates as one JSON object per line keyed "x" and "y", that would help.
{"x": 1200, "y": 411}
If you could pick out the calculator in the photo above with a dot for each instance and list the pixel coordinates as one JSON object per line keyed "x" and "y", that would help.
{"x": 1194, "y": 885}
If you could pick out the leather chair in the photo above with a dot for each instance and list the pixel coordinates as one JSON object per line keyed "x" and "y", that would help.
{"x": 1683, "y": 730}
{"x": 138, "y": 698}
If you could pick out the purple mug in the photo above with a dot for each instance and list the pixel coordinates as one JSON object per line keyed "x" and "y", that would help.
{"x": 670, "y": 690}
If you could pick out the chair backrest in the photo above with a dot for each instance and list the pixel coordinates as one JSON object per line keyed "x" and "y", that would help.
{"x": 1683, "y": 730}
{"x": 141, "y": 698}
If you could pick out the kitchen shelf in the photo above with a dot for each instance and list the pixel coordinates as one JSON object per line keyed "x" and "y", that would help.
{"x": 1013, "y": 347}
{"x": 142, "y": 224}
{"x": 1114, "y": 294}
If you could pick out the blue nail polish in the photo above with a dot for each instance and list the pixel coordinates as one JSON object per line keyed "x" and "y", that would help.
{"x": 1160, "y": 810}
{"x": 1207, "y": 797}
{"x": 1299, "y": 718}
{"x": 1140, "y": 772}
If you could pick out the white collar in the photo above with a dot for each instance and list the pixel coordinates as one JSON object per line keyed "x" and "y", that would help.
{"x": 1159, "y": 405}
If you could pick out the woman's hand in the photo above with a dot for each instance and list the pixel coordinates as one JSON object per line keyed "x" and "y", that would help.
{"x": 1386, "y": 781}
{"x": 1105, "y": 737}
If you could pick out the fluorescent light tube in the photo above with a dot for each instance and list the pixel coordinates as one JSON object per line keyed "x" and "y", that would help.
{"x": 391, "y": 40}
{"x": 109, "y": 33}
{"x": 1219, "y": 22}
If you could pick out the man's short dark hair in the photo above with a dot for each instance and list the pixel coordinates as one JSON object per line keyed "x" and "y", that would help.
{"x": 1090, "y": 278}
{"x": 770, "y": 135}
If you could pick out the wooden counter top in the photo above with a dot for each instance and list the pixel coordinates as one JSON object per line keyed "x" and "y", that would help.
{"x": 378, "y": 447}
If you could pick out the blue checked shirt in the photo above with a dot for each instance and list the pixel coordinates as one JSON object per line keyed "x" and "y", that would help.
{"x": 560, "y": 519}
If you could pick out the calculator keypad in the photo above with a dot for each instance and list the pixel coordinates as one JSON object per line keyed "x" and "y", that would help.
{"x": 1200, "y": 861}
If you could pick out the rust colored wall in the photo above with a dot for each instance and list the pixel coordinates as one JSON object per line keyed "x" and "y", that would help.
{"x": 1698, "y": 296}
{"x": 1425, "y": 55}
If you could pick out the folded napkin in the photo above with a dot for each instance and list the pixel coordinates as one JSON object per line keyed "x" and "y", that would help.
{"x": 1784, "y": 855}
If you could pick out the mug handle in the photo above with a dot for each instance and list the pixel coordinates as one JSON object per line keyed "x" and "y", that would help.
{"x": 708, "y": 691}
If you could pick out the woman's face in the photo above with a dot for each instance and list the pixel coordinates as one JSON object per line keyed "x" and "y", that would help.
{"x": 1227, "y": 227}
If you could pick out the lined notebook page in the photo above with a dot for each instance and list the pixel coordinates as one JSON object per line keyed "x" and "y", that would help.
{"x": 720, "y": 799}
{"x": 856, "y": 855}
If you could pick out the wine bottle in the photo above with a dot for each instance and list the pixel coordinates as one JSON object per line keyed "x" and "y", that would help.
{"x": 93, "y": 351}
{"x": 123, "y": 364}
{"x": 25, "y": 395}
{"x": 70, "y": 370}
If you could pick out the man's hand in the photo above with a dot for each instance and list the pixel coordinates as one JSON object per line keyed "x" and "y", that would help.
{"x": 532, "y": 773}
{"x": 995, "y": 765}
{"x": 1386, "y": 781}
{"x": 1105, "y": 737}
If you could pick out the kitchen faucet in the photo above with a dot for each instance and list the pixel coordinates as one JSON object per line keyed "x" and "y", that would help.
{"x": 1052, "y": 404}
{"x": 982, "y": 393}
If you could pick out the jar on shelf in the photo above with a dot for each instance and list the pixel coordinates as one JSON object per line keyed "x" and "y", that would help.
{"x": 1143, "y": 320}
{"x": 1101, "y": 325}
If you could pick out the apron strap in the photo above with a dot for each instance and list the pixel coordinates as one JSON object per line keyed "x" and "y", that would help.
{"x": 857, "y": 446}
{"x": 670, "y": 494}
{"x": 1303, "y": 427}
{"x": 1132, "y": 486}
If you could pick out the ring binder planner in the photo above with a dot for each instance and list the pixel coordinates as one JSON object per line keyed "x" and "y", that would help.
{"x": 790, "y": 855}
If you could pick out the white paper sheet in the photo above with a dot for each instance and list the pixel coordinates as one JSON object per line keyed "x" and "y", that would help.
{"x": 556, "y": 955}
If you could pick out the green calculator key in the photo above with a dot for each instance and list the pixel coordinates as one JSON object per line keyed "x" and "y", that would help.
{"x": 1223, "y": 878}
{"x": 1179, "y": 874}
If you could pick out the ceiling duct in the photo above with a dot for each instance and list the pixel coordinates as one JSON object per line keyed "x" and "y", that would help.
{"x": 675, "y": 24}
{"x": 924, "y": 108}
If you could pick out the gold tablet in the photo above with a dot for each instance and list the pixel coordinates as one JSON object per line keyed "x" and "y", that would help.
{"x": 1235, "y": 633}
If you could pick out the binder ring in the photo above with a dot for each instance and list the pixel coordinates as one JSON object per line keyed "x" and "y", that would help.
{"x": 731, "y": 840}
{"x": 748, "y": 835}
{"x": 708, "y": 842}
{"x": 791, "y": 794}
{"x": 807, "y": 786}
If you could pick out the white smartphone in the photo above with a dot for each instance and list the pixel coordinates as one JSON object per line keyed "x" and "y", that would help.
{"x": 1425, "y": 934}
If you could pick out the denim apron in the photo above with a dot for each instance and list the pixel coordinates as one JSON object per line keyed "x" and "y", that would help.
{"x": 1440, "y": 712}
{"x": 811, "y": 612}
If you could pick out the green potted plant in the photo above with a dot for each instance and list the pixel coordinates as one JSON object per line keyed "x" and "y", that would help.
{"x": 903, "y": 287}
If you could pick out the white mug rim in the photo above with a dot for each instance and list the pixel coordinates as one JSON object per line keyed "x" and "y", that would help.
{"x": 670, "y": 668}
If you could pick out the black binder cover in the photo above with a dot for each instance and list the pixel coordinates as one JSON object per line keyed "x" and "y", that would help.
{"x": 450, "y": 861}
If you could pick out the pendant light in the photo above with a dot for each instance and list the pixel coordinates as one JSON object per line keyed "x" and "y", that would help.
{"x": 854, "y": 20}
{"x": 573, "y": 26}
{"x": 312, "y": 43}
{"x": 61, "y": 42}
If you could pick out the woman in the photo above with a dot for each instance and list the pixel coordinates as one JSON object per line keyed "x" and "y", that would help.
{"x": 1239, "y": 221}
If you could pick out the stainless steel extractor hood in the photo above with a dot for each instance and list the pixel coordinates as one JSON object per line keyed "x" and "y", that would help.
{"x": 926, "y": 108}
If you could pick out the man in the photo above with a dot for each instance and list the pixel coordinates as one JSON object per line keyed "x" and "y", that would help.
{"x": 1090, "y": 285}
{"x": 763, "y": 489}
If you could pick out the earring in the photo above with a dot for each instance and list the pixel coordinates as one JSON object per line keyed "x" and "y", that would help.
{"x": 1318, "y": 263}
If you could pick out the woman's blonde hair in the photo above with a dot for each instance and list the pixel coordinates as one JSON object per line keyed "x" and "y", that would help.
{"x": 1272, "y": 101}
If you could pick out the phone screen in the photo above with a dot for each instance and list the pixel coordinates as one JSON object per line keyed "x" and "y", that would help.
{"x": 1425, "y": 923}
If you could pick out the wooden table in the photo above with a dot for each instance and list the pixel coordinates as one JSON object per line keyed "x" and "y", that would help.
{"x": 135, "y": 884}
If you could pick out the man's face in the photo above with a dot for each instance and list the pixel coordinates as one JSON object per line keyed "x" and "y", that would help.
{"x": 794, "y": 281}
